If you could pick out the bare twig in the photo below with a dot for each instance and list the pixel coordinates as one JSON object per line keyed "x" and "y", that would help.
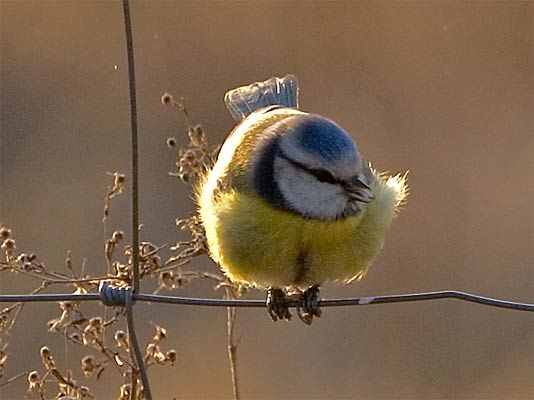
{"x": 231, "y": 313}
{"x": 13, "y": 379}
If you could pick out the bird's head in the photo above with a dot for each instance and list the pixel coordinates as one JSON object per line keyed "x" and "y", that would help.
{"x": 310, "y": 165}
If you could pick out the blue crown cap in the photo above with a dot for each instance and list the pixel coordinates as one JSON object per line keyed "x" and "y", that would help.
{"x": 322, "y": 137}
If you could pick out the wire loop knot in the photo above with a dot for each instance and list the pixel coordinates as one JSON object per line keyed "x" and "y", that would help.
{"x": 115, "y": 296}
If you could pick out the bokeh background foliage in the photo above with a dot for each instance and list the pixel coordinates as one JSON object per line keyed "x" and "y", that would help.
{"x": 444, "y": 89}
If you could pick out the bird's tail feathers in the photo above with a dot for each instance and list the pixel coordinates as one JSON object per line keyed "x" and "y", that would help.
{"x": 244, "y": 100}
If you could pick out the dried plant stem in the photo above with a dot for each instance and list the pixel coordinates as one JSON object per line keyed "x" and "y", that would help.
{"x": 232, "y": 351}
{"x": 13, "y": 379}
{"x": 19, "y": 306}
{"x": 133, "y": 393}
{"x": 67, "y": 280}
{"x": 231, "y": 313}
{"x": 66, "y": 344}
{"x": 106, "y": 352}
{"x": 52, "y": 276}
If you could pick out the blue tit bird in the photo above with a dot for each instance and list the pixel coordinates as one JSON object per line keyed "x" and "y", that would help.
{"x": 290, "y": 203}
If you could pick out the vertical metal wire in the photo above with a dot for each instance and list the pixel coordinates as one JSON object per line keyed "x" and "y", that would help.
{"x": 135, "y": 208}
{"x": 135, "y": 151}
{"x": 135, "y": 346}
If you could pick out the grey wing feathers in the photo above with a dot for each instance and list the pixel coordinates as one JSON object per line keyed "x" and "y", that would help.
{"x": 244, "y": 100}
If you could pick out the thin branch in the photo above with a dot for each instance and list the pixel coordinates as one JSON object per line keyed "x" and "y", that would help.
{"x": 20, "y": 305}
{"x": 109, "y": 354}
{"x": 231, "y": 313}
{"x": 13, "y": 379}
{"x": 66, "y": 280}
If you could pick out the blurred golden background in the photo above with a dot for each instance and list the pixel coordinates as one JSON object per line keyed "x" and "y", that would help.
{"x": 443, "y": 89}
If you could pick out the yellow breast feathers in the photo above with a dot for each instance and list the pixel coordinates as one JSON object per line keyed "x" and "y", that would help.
{"x": 258, "y": 245}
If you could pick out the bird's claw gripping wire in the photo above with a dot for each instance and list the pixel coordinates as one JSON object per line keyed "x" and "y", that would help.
{"x": 308, "y": 305}
{"x": 277, "y": 304}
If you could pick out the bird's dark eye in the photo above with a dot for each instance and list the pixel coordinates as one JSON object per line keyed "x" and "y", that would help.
{"x": 323, "y": 176}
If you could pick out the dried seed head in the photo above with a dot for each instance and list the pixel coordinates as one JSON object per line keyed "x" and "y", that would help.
{"x": 161, "y": 333}
{"x": 46, "y": 358}
{"x": 171, "y": 356}
{"x": 52, "y": 324}
{"x": 88, "y": 337}
{"x": 123, "y": 271}
{"x": 160, "y": 357}
{"x": 45, "y": 351}
{"x": 33, "y": 377}
{"x": 66, "y": 305}
{"x": 188, "y": 156}
{"x": 117, "y": 236}
{"x": 147, "y": 247}
{"x": 3, "y": 323}
{"x": 121, "y": 339}
{"x": 171, "y": 143}
{"x": 120, "y": 335}
{"x": 22, "y": 258}
{"x": 125, "y": 391}
{"x": 185, "y": 177}
{"x": 166, "y": 99}
{"x": 8, "y": 245}
{"x": 196, "y": 135}
{"x": 88, "y": 360}
{"x": 96, "y": 322}
{"x": 75, "y": 336}
{"x": 88, "y": 365}
{"x": 33, "y": 380}
{"x": 93, "y": 331}
{"x": 151, "y": 348}
{"x": 165, "y": 278}
{"x": 26, "y": 266}
{"x": 5, "y": 233}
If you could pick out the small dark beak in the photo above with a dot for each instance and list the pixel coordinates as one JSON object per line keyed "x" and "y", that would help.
{"x": 358, "y": 190}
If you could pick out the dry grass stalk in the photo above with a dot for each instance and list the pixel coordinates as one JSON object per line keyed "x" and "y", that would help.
{"x": 112, "y": 351}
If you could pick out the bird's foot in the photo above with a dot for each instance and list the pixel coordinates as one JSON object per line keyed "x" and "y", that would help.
{"x": 277, "y": 304}
{"x": 308, "y": 306}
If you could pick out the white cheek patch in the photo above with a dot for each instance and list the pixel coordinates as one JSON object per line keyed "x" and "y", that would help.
{"x": 306, "y": 195}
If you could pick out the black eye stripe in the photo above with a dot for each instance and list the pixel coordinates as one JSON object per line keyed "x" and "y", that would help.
{"x": 321, "y": 175}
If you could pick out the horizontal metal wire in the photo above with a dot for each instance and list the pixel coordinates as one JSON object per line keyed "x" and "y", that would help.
{"x": 357, "y": 301}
